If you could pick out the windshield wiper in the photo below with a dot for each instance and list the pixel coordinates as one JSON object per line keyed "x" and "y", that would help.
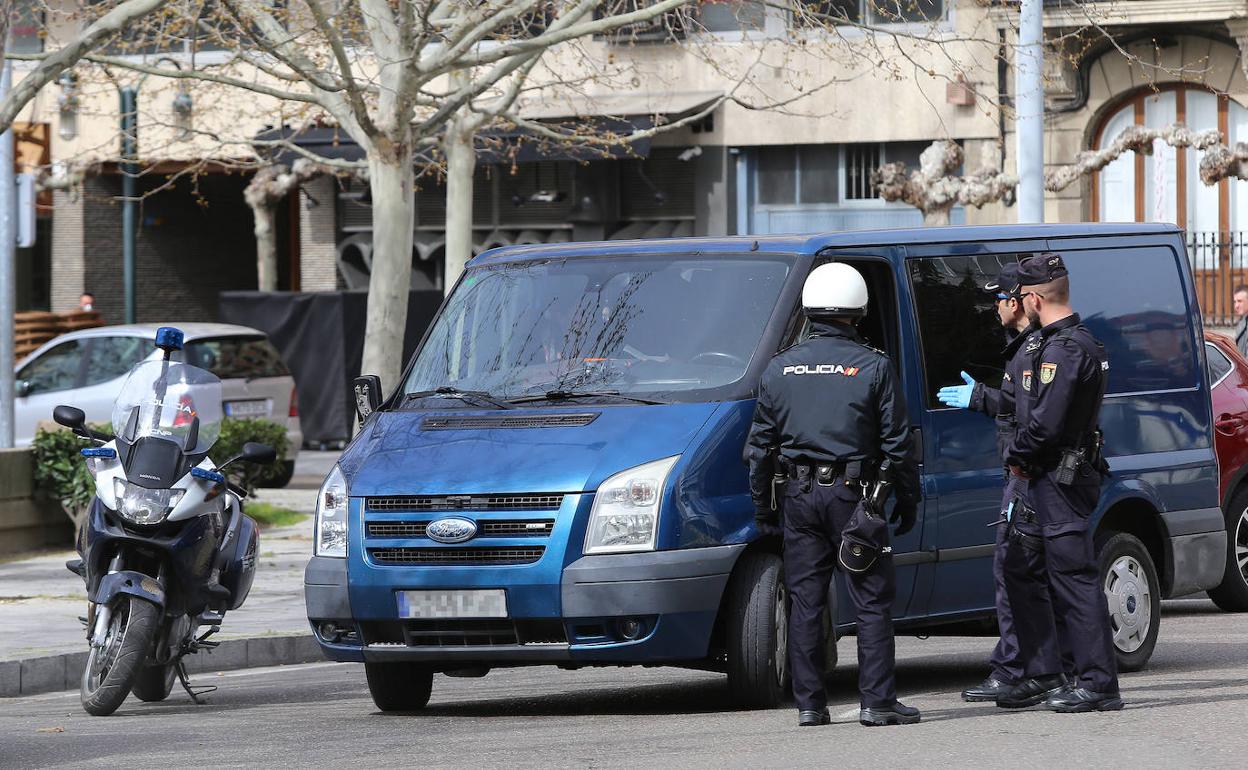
{"x": 564, "y": 395}
{"x": 477, "y": 397}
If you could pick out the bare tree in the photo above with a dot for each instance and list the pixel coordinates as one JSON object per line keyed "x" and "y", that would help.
{"x": 934, "y": 190}
{"x": 107, "y": 26}
{"x": 268, "y": 187}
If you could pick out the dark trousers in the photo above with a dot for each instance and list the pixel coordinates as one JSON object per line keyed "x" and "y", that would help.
{"x": 1050, "y": 573}
{"x": 1006, "y": 661}
{"x": 813, "y": 520}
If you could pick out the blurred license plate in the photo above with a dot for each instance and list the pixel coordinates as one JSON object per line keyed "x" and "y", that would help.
{"x": 490, "y": 603}
{"x": 259, "y": 408}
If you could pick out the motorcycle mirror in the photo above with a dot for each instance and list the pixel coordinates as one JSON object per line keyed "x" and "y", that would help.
{"x": 367, "y": 392}
{"x": 258, "y": 454}
{"x": 71, "y": 417}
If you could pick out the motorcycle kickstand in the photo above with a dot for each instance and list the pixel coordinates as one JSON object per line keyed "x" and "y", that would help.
{"x": 186, "y": 684}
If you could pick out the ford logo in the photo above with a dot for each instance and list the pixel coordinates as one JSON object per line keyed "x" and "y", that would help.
{"x": 452, "y": 530}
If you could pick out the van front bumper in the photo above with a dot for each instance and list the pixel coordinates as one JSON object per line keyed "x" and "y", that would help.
{"x": 672, "y": 597}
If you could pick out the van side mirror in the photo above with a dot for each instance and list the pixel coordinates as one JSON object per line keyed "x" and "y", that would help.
{"x": 367, "y": 391}
{"x": 258, "y": 454}
{"x": 21, "y": 388}
{"x": 71, "y": 417}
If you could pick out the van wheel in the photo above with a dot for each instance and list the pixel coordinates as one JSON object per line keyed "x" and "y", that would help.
{"x": 1133, "y": 595}
{"x": 758, "y": 628}
{"x": 399, "y": 686}
{"x": 1232, "y": 594}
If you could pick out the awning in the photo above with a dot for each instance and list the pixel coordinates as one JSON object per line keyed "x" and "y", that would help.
{"x": 619, "y": 114}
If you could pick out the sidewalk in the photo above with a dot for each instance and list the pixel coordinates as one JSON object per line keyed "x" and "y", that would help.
{"x": 40, "y": 602}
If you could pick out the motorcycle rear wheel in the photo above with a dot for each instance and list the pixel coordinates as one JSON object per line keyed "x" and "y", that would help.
{"x": 113, "y": 666}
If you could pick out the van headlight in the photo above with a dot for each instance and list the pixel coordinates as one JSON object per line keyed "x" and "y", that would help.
{"x": 625, "y": 514}
{"x": 140, "y": 505}
{"x": 331, "y": 517}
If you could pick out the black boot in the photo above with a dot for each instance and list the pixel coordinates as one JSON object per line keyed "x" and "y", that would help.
{"x": 988, "y": 690}
{"x": 896, "y": 714}
{"x": 1030, "y": 692}
{"x": 1077, "y": 700}
{"x": 813, "y": 718}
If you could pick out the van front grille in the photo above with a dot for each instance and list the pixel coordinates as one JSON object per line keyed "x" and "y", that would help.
{"x": 465, "y": 557}
{"x": 502, "y": 528}
{"x": 544, "y": 501}
{"x": 463, "y": 633}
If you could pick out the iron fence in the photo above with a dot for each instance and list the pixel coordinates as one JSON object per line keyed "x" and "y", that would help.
{"x": 1219, "y": 264}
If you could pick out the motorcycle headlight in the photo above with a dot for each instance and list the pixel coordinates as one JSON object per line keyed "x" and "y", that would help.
{"x": 140, "y": 505}
{"x": 625, "y": 514}
{"x": 331, "y": 517}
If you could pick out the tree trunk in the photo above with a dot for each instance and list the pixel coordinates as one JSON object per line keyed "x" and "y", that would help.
{"x": 461, "y": 164}
{"x": 266, "y": 247}
{"x": 391, "y": 180}
{"x": 936, "y": 217}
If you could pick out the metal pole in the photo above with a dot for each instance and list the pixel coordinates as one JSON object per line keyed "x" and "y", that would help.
{"x": 129, "y": 170}
{"x": 8, "y": 270}
{"x": 1029, "y": 108}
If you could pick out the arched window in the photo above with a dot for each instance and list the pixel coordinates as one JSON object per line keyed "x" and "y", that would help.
{"x": 1166, "y": 186}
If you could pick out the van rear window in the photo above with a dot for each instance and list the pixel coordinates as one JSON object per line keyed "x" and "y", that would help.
{"x": 233, "y": 358}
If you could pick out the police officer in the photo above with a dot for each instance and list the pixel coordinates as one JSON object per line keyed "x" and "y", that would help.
{"x": 1056, "y": 474}
{"x": 998, "y": 403}
{"x": 829, "y": 414}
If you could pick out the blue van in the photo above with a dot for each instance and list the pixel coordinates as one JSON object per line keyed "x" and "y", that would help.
{"x": 558, "y": 478}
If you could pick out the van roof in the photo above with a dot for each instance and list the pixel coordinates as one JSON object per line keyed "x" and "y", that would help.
{"x": 816, "y": 242}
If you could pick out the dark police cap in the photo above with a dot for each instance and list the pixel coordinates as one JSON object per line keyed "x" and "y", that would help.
{"x": 1006, "y": 281}
{"x": 1040, "y": 269}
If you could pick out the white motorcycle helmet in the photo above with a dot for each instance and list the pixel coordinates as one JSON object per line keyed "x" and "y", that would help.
{"x": 835, "y": 289}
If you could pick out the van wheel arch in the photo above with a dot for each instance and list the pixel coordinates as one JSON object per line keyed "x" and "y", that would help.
{"x": 1142, "y": 520}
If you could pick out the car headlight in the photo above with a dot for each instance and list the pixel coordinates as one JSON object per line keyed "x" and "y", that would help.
{"x": 140, "y": 505}
{"x": 331, "y": 517}
{"x": 625, "y": 514}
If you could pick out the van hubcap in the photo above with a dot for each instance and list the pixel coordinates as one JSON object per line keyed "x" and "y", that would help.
{"x": 1129, "y": 597}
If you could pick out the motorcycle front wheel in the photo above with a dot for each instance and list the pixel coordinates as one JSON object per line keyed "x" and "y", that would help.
{"x": 112, "y": 666}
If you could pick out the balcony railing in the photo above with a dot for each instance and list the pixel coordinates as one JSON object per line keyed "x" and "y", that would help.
{"x": 1219, "y": 264}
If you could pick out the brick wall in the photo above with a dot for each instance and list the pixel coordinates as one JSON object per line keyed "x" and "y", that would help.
{"x": 194, "y": 241}
{"x": 317, "y": 235}
{"x": 68, "y": 279}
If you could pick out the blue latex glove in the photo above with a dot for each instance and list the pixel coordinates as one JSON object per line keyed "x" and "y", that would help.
{"x": 957, "y": 395}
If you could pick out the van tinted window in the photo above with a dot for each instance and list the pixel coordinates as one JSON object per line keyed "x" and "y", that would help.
{"x": 958, "y": 323}
{"x": 235, "y": 358}
{"x": 1132, "y": 300}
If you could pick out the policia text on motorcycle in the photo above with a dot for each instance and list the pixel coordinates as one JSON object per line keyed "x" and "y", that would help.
{"x": 1053, "y": 385}
{"x": 829, "y": 435}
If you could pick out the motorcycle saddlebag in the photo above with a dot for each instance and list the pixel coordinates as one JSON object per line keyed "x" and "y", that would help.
{"x": 239, "y": 569}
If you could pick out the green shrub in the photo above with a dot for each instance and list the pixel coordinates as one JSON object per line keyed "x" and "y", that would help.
{"x": 235, "y": 433}
{"x": 61, "y": 471}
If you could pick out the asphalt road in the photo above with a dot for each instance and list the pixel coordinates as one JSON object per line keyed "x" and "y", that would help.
{"x": 1187, "y": 710}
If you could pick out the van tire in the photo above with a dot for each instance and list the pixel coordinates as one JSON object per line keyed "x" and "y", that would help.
{"x": 1232, "y": 594}
{"x": 1132, "y": 592}
{"x": 399, "y": 686}
{"x": 757, "y": 626}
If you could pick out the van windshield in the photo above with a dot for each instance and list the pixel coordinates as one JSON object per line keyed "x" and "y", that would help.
{"x": 666, "y": 328}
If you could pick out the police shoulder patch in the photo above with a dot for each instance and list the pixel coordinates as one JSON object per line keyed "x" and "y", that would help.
{"x": 1027, "y": 380}
{"x": 1047, "y": 373}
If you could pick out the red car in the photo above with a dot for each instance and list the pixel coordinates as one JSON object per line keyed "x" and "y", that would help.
{"x": 1228, "y": 376}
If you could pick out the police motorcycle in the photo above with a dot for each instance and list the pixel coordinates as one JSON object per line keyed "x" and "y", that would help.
{"x": 166, "y": 549}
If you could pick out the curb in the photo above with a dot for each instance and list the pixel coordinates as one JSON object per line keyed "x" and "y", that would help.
{"x": 53, "y": 673}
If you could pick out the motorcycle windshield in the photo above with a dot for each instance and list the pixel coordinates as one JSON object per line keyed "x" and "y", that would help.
{"x": 163, "y": 398}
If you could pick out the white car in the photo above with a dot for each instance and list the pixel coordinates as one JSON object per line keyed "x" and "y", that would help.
{"x": 86, "y": 368}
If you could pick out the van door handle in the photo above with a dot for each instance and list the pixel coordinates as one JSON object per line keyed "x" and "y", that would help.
{"x": 917, "y": 435}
